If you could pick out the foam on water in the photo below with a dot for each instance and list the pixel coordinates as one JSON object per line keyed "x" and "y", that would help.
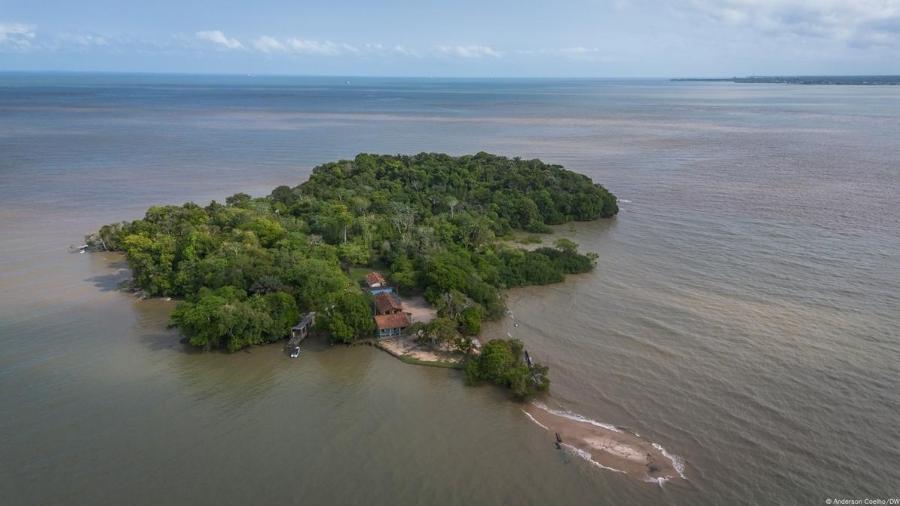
{"x": 587, "y": 456}
{"x": 659, "y": 480}
{"x": 533, "y": 419}
{"x": 575, "y": 416}
{"x": 677, "y": 462}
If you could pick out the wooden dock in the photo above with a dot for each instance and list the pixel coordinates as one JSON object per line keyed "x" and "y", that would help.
{"x": 300, "y": 331}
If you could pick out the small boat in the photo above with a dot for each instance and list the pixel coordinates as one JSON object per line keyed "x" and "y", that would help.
{"x": 295, "y": 352}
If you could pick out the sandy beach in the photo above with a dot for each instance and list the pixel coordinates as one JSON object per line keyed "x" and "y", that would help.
{"x": 608, "y": 447}
{"x": 405, "y": 347}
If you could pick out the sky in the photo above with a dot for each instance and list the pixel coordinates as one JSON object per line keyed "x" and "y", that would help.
{"x": 461, "y": 38}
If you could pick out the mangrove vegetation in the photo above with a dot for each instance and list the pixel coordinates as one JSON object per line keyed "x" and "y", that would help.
{"x": 246, "y": 268}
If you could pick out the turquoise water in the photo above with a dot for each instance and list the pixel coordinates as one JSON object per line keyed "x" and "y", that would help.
{"x": 744, "y": 312}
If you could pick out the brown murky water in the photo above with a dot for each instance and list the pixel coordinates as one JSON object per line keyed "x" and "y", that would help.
{"x": 743, "y": 316}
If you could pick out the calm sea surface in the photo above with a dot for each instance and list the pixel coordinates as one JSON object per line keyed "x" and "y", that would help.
{"x": 745, "y": 312}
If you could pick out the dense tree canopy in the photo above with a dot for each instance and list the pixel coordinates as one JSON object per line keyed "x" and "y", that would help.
{"x": 228, "y": 318}
{"x": 502, "y": 362}
{"x": 246, "y": 269}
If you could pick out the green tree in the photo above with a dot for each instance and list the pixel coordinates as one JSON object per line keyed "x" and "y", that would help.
{"x": 315, "y": 282}
{"x": 432, "y": 217}
{"x": 403, "y": 274}
{"x": 338, "y": 220}
{"x": 501, "y": 362}
{"x": 349, "y": 317}
{"x": 470, "y": 320}
{"x": 239, "y": 200}
{"x": 282, "y": 311}
{"x": 221, "y": 319}
{"x": 355, "y": 253}
{"x": 566, "y": 245}
{"x": 439, "y": 331}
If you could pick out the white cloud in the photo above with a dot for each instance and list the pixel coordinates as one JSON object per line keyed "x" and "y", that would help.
{"x": 17, "y": 35}
{"x": 219, "y": 38}
{"x": 575, "y": 50}
{"x": 306, "y": 46}
{"x": 83, "y": 39}
{"x": 575, "y": 53}
{"x": 296, "y": 45}
{"x": 268, "y": 44}
{"x": 405, "y": 51}
{"x": 851, "y": 21}
{"x": 472, "y": 51}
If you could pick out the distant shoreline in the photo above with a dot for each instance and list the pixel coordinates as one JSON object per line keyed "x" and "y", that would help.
{"x": 826, "y": 80}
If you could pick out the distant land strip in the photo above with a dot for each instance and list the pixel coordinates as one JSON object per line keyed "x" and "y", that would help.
{"x": 833, "y": 80}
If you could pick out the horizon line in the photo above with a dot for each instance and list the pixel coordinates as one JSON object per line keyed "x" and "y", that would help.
{"x": 419, "y": 76}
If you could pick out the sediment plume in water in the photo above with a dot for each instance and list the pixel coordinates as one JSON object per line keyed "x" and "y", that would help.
{"x": 608, "y": 447}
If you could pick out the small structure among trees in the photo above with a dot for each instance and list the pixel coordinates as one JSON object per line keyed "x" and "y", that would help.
{"x": 387, "y": 303}
{"x": 389, "y": 325}
{"x": 301, "y": 330}
{"x": 390, "y": 319}
{"x": 375, "y": 280}
{"x": 376, "y": 284}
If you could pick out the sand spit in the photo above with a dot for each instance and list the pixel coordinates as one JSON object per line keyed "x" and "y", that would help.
{"x": 608, "y": 447}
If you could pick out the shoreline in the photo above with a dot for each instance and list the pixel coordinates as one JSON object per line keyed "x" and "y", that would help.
{"x": 607, "y": 447}
{"x": 404, "y": 350}
{"x": 604, "y": 446}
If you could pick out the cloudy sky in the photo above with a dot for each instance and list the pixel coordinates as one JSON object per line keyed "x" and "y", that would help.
{"x": 590, "y": 38}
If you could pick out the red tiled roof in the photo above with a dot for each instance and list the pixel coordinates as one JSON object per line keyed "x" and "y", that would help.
{"x": 392, "y": 321}
{"x": 374, "y": 278}
{"x": 387, "y": 303}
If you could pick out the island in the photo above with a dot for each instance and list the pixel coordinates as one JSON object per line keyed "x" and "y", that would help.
{"x": 808, "y": 80}
{"x": 339, "y": 252}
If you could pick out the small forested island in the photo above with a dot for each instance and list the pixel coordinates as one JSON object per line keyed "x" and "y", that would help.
{"x": 434, "y": 224}
{"x": 811, "y": 80}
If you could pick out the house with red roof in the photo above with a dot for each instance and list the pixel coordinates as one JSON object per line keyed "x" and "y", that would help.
{"x": 387, "y": 303}
{"x": 375, "y": 280}
{"x": 389, "y": 325}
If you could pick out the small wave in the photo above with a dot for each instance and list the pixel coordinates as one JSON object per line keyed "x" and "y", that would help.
{"x": 677, "y": 462}
{"x": 533, "y": 419}
{"x": 625, "y": 201}
{"x": 575, "y": 416}
{"x": 659, "y": 481}
{"x": 587, "y": 456}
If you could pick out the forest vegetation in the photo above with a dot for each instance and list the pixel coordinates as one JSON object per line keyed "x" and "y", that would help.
{"x": 244, "y": 270}
{"x": 502, "y": 362}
